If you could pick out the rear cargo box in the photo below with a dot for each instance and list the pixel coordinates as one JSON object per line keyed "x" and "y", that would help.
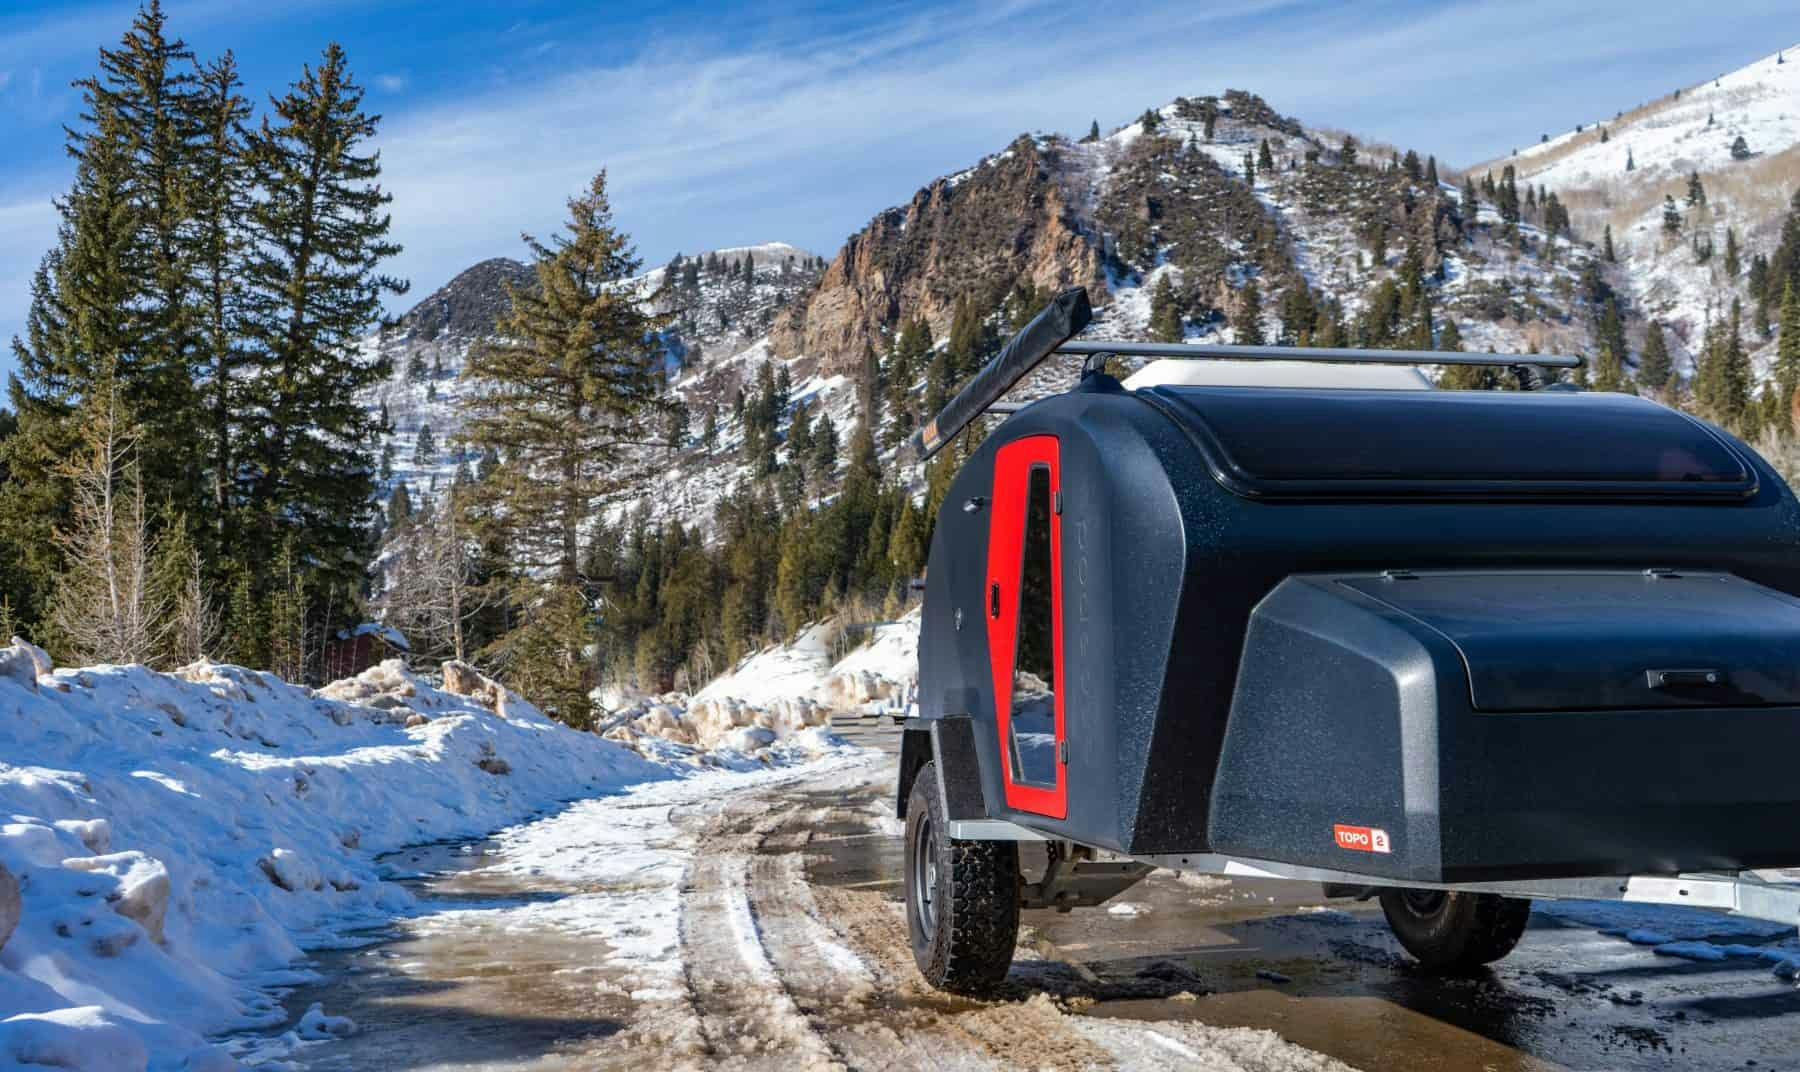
{"x": 1466, "y": 726}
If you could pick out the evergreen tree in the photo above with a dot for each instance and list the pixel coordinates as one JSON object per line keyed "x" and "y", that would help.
{"x": 1787, "y": 349}
{"x": 1733, "y": 256}
{"x": 1410, "y": 164}
{"x": 569, "y": 384}
{"x": 1696, "y": 193}
{"x": 1165, "y": 312}
{"x": 221, "y": 204}
{"x": 824, "y": 446}
{"x": 1671, "y": 222}
{"x": 1247, "y": 324}
{"x": 1740, "y": 149}
{"x": 313, "y": 289}
{"x": 425, "y": 447}
{"x": 146, "y": 87}
{"x": 1654, "y": 366}
{"x": 1093, "y": 133}
{"x": 1265, "y": 159}
{"x": 709, "y": 429}
{"x": 1150, "y": 120}
{"x": 399, "y": 508}
{"x": 1607, "y": 248}
{"x": 1346, "y": 151}
{"x": 1249, "y": 168}
{"x": 1630, "y": 162}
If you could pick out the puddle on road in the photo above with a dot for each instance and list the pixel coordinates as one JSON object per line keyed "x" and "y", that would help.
{"x": 478, "y": 996}
{"x": 1328, "y": 976}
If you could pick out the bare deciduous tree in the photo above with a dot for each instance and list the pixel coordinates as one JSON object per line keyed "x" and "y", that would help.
{"x": 103, "y": 607}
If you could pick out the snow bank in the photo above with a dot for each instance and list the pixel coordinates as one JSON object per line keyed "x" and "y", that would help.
{"x": 178, "y": 839}
{"x": 776, "y": 694}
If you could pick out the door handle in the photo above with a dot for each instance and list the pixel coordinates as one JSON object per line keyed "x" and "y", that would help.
{"x": 993, "y": 599}
{"x": 1676, "y": 679}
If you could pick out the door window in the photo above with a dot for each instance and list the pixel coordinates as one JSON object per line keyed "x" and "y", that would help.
{"x": 1034, "y": 666}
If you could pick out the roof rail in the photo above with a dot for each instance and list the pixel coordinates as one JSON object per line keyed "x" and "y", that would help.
{"x": 1050, "y": 331}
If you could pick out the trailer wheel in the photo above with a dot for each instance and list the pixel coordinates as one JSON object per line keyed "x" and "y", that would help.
{"x": 1450, "y": 931}
{"x": 962, "y": 897}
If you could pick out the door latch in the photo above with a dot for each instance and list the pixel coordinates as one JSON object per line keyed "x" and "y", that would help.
{"x": 993, "y": 599}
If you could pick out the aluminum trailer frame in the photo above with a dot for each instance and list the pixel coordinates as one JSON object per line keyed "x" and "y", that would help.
{"x": 1739, "y": 893}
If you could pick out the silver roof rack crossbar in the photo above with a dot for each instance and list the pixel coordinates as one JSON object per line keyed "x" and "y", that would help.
{"x": 1188, "y": 351}
{"x": 1049, "y": 333}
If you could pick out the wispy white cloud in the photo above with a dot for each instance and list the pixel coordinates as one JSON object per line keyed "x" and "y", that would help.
{"x": 801, "y": 128}
{"x": 801, "y": 134}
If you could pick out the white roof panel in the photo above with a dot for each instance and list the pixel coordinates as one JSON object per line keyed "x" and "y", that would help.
{"x": 1224, "y": 373}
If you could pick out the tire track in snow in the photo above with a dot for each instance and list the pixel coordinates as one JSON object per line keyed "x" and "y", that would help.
{"x": 744, "y": 1017}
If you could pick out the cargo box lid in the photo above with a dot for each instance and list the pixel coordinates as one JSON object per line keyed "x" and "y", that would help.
{"x": 1275, "y": 442}
{"x": 1570, "y": 641}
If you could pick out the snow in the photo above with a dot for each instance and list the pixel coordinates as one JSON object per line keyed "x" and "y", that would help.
{"x": 776, "y": 673}
{"x": 388, "y": 634}
{"x": 180, "y": 838}
{"x": 1688, "y": 934}
{"x": 1667, "y": 139}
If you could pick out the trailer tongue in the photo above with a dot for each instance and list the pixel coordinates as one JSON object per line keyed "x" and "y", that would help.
{"x": 1453, "y": 649}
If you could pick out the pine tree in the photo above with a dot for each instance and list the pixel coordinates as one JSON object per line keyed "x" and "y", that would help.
{"x": 569, "y": 384}
{"x": 1671, "y": 223}
{"x": 1249, "y": 168}
{"x": 1696, "y": 193}
{"x": 1630, "y": 162}
{"x": 146, "y": 87}
{"x": 1740, "y": 149}
{"x": 1787, "y": 349}
{"x": 1265, "y": 159}
{"x": 1450, "y": 338}
{"x": 1410, "y": 164}
{"x": 188, "y": 627}
{"x": 1093, "y": 133}
{"x": 425, "y": 448}
{"x": 1654, "y": 366}
{"x": 222, "y": 202}
{"x": 313, "y": 290}
{"x": 1165, "y": 312}
{"x": 1247, "y": 324}
{"x": 80, "y": 338}
{"x": 1607, "y": 248}
{"x": 1733, "y": 257}
{"x": 399, "y": 508}
{"x": 1347, "y": 151}
{"x": 709, "y": 429}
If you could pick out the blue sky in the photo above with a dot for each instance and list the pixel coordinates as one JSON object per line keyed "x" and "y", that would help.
{"x": 732, "y": 123}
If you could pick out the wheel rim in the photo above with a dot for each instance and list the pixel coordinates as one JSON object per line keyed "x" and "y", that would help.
{"x": 1423, "y": 902}
{"x": 924, "y": 876}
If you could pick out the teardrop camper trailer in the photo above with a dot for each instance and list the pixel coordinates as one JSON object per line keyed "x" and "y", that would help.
{"x": 1292, "y": 613}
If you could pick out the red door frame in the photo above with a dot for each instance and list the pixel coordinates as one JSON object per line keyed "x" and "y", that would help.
{"x": 1013, "y": 464}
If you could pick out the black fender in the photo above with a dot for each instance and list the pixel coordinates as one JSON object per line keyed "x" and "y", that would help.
{"x": 948, "y": 744}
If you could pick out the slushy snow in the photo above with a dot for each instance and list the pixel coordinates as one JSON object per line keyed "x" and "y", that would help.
{"x": 180, "y": 838}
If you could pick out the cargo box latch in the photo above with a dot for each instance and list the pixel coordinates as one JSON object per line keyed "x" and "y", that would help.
{"x": 1677, "y": 679}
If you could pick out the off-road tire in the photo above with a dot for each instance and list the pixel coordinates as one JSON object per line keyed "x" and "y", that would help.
{"x": 963, "y": 939}
{"x": 1455, "y": 932}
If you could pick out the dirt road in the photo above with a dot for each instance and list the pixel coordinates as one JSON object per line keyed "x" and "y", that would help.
{"x": 786, "y": 948}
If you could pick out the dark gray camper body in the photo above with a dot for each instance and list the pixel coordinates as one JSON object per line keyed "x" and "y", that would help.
{"x": 1432, "y": 613}
{"x": 1455, "y": 649}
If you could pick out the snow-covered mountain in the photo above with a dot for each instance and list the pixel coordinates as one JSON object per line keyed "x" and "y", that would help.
{"x": 1204, "y": 194}
{"x": 718, "y": 331}
{"x": 1614, "y": 172}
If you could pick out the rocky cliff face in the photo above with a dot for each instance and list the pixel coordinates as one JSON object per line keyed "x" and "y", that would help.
{"x": 1010, "y": 219}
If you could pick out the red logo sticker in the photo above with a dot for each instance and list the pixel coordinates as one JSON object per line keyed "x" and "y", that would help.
{"x": 1362, "y": 838}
